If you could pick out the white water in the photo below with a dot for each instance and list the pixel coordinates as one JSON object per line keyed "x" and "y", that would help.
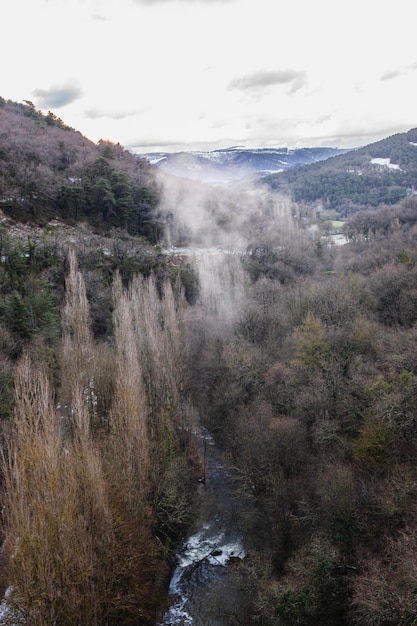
{"x": 204, "y": 549}
{"x": 204, "y": 556}
{"x": 7, "y": 615}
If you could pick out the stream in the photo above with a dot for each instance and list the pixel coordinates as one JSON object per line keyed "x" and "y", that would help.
{"x": 205, "y": 587}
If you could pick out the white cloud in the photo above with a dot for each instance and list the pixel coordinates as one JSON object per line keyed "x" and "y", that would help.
{"x": 57, "y": 96}
{"x": 214, "y": 71}
{"x": 269, "y": 78}
{"x": 94, "y": 113}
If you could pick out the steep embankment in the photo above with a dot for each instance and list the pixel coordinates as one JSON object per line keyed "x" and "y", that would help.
{"x": 49, "y": 170}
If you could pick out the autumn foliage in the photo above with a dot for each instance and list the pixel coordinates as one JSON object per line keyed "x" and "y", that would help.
{"x": 307, "y": 380}
{"x": 82, "y": 490}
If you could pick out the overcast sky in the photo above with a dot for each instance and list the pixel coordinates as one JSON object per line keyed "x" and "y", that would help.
{"x": 201, "y": 74}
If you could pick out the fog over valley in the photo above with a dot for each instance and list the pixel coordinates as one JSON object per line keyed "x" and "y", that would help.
{"x": 208, "y": 323}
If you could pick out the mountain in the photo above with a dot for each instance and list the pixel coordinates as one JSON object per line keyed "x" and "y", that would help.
{"x": 230, "y": 165}
{"x": 49, "y": 170}
{"x": 381, "y": 173}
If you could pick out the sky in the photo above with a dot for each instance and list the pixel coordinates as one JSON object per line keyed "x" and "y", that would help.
{"x": 172, "y": 75}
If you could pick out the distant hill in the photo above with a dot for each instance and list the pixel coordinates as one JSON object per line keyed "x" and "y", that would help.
{"x": 235, "y": 164}
{"x": 381, "y": 173}
{"x": 49, "y": 170}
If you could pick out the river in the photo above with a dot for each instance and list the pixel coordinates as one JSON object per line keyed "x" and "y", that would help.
{"x": 204, "y": 587}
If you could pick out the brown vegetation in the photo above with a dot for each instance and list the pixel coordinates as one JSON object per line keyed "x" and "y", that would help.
{"x": 83, "y": 491}
{"x": 313, "y": 396}
{"x": 310, "y": 388}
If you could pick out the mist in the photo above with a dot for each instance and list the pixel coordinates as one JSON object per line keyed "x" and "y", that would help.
{"x": 217, "y": 228}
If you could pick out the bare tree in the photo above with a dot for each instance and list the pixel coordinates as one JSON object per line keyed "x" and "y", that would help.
{"x": 129, "y": 441}
{"x": 58, "y": 533}
{"x": 77, "y": 354}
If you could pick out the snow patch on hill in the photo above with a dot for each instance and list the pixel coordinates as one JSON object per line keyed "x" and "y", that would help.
{"x": 235, "y": 164}
{"x": 385, "y": 163}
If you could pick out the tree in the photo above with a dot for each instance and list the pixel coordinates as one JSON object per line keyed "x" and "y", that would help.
{"x": 103, "y": 198}
{"x": 77, "y": 352}
{"x": 123, "y": 195}
{"x": 58, "y": 533}
{"x": 128, "y": 447}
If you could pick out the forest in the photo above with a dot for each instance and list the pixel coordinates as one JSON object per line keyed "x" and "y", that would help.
{"x": 352, "y": 182}
{"x": 300, "y": 361}
{"x": 48, "y": 170}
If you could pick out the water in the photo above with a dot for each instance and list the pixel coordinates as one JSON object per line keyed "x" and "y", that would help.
{"x": 201, "y": 586}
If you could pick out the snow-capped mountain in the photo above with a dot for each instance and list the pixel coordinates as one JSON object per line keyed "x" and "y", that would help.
{"x": 235, "y": 164}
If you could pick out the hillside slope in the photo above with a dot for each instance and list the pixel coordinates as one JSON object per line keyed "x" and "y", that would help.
{"x": 380, "y": 173}
{"x": 48, "y": 170}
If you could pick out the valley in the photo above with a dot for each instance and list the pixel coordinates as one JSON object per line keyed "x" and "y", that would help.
{"x": 207, "y": 406}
